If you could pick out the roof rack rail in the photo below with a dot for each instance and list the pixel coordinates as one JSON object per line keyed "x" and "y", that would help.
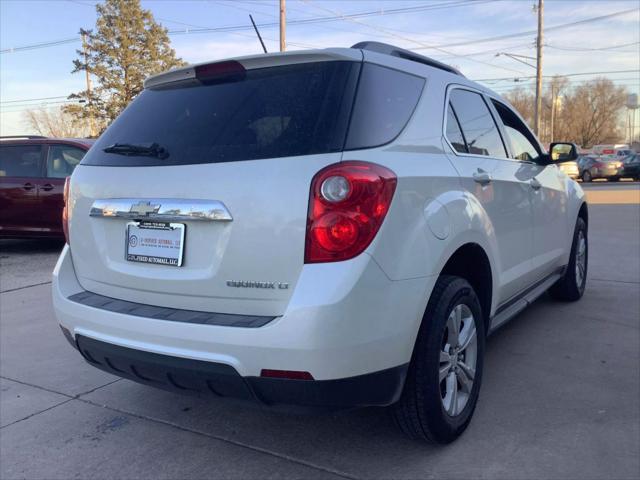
{"x": 18, "y": 137}
{"x": 387, "y": 49}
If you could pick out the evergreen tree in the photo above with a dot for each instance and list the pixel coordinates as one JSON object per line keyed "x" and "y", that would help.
{"x": 128, "y": 45}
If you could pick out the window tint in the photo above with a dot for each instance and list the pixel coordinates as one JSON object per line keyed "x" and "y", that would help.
{"x": 521, "y": 139}
{"x": 477, "y": 124}
{"x": 20, "y": 161}
{"x": 385, "y": 101}
{"x": 270, "y": 112}
{"x": 454, "y": 134}
{"x": 62, "y": 159}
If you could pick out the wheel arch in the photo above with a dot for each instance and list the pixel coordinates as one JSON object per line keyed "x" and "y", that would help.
{"x": 471, "y": 262}
{"x": 583, "y": 213}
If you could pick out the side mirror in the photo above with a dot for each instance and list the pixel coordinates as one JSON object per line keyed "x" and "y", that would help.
{"x": 563, "y": 152}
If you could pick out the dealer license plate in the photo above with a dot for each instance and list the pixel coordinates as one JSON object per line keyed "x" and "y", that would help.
{"x": 155, "y": 242}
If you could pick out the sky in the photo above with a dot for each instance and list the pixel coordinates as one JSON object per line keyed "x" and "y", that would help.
{"x": 461, "y": 33}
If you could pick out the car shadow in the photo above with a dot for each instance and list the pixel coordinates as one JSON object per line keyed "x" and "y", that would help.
{"x": 26, "y": 246}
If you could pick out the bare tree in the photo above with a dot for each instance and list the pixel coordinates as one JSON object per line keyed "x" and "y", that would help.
{"x": 55, "y": 122}
{"x": 593, "y": 112}
{"x": 522, "y": 100}
{"x": 586, "y": 114}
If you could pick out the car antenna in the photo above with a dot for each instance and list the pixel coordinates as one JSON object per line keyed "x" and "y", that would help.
{"x": 258, "y": 33}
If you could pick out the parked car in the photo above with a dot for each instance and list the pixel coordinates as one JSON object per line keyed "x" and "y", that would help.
{"x": 591, "y": 168}
{"x": 624, "y": 153}
{"x": 570, "y": 168}
{"x": 331, "y": 228}
{"x": 631, "y": 167}
{"x": 32, "y": 174}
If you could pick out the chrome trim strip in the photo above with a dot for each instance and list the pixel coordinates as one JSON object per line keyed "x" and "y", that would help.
{"x": 161, "y": 209}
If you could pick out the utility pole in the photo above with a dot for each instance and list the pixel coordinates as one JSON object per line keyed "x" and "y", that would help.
{"x": 553, "y": 110}
{"x": 92, "y": 129}
{"x": 283, "y": 25}
{"x": 538, "y": 106}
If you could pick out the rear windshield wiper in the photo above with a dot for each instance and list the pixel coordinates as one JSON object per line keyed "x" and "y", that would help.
{"x": 142, "y": 149}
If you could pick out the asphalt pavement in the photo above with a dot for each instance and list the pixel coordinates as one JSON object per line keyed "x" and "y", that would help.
{"x": 560, "y": 395}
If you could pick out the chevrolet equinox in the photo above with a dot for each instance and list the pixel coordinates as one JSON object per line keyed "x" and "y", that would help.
{"x": 322, "y": 229}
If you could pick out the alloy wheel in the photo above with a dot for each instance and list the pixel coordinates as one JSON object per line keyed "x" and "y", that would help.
{"x": 458, "y": 358}
{"x": 581, "y": 258}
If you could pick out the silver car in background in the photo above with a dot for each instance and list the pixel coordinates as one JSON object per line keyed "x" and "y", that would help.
{"x": 570, "y": 168}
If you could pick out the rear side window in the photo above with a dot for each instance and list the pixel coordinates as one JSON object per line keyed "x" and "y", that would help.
{"x": 20, "y": 161}
{"x": 385, "y": 101}
{"x": 62, "y": 159}
{"x": 271, "y": 112}
{"x": 454, "y": 133}
{"x": 477, "y": 124}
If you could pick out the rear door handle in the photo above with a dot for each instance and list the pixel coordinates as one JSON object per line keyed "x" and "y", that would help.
{"x": 535, "y": 184}
{"x": 28, "y": 186}
{"x": 46, "y": 187}
{"x": 482, "y": 177}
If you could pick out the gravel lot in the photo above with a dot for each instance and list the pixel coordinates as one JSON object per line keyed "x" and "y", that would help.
{"x": 560, "y": 398}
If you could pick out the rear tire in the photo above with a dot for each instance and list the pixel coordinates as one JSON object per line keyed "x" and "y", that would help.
{"x": 586, "y": 176}
{"x": 445, "y": 374}
{"x": 572, "y": 284}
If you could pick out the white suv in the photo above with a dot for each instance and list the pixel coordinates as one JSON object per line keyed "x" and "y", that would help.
{"x": 329, "y": 228}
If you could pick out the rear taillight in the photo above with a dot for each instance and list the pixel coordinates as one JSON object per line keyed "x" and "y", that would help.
{"x": 347, "y": 205}
{"x": 65, "y": 209}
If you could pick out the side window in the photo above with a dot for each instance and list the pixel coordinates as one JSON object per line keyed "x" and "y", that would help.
{"x": 454, "y": 134}
{"x": 20, "y": 161}
{"x": 477, "y": 124}
{"x": 62, "y": 159}
{"x": 521, "y": 139}
{"x": 385, "y": 100}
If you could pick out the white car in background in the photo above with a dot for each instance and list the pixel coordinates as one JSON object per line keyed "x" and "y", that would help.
{"x": 329, "y": 228}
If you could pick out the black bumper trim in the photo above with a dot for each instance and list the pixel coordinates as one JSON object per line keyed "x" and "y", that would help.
{"x": 170, "y": 314}
{"x": 215, "y": 379}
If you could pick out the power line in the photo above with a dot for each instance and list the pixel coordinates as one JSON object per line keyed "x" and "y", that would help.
{"x": 533, "y": 32}
{"x": 582, "y": 49}
{"x": 248, "y": 26}
{"x": 408, "y": 39}
{"x": 33, "y": 99}
{"x": 557, "y": 75}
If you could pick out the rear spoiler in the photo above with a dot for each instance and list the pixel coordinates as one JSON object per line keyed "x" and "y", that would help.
{"x": 258, "y": 61}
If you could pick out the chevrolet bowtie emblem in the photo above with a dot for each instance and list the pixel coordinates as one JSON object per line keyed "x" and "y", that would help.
{"x": 144, "y": 208}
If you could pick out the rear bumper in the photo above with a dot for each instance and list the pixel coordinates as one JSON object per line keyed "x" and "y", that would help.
{"x": 214, "y": 379}
{"x": 347, "y": 324}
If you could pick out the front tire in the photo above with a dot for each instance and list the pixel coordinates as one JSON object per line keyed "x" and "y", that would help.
{"x": 445, "y": 374}
{"x": 586, "y": 176}
{"x": 572, "y": 284}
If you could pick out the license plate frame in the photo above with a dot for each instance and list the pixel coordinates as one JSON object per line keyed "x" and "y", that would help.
{"x": 161, "y": 236}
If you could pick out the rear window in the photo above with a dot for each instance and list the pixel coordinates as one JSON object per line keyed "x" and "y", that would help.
{"x": 272, "y": 112}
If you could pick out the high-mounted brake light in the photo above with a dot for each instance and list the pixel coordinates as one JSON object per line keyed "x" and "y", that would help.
{"x": 230, "y": 70}
{"x": 65, "y": 209}
{"x": 347, "y": 205}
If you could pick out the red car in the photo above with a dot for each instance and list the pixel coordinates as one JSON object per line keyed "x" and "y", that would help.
{"x": 32, "y": 174}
